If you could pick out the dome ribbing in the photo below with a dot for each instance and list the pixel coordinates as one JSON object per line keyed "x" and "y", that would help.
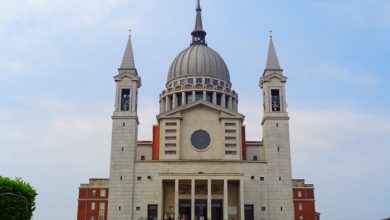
{"x": 199, "y": 60}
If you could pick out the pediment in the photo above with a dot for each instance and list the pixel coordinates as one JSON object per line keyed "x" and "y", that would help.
{"x": 127, "y": 74}
{"x": 178, "y": 112}
{"x": 273, "y": 75}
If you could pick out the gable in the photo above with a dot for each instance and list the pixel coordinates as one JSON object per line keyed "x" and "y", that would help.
{"x": 222, "y": 112}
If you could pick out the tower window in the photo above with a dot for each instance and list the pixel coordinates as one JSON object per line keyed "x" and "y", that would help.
{"x": 125, "y": 100}
{"x": 263, "y": 209}
{"x": 255, "y": 157}
{"x": 179, "y": 99}
{"x": 188, "y": 97}
{"x": 139, "y": 178}
{"x": 262, "y": 178}
{"x": 219, "y": 99}
{"x": 199, "y": 80}
{"x": 281, "y": 208}
{"x": 226, "y": 101}
{"x": 207, "y": 81}
{"x": 215, "y": 82}
{"x": 209, "y": 97}
{"x": 275, "y": 100}
{"x": 221, "y": 83}
{"x": 198, "y": 96}
{"x": 190, "y": 81}
{"x": 170, "y": 102}
{"x": 143, "y": 157}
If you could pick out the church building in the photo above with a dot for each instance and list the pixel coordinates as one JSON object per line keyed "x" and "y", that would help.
{"x": 199, "y": 165}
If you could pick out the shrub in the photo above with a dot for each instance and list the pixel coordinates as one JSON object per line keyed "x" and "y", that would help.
{"x": 17, "y": 199}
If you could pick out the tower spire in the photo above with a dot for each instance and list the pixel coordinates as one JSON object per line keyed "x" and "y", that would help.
{"x": 128, "y": 57}
{"x": 198, "y": 35}
{"x": 272, "y": 58}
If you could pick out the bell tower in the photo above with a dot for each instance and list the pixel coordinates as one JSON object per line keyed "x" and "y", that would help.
{"x": 276, "y": 138}
{"x": 124, "y": 139}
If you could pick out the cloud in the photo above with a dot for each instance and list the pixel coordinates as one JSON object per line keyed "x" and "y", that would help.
{"x": 54, "y": 143}
{"x": 342, "y": 152}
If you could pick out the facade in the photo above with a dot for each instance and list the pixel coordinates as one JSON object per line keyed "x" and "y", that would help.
{"x": 97, "y": 192}
{"x": 93, "y": 200}
{"x": 304, "y": 202}
{"x": 199, "y": 165}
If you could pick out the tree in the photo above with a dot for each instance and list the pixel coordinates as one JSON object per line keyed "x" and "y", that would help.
{"x": 17, "y": 199}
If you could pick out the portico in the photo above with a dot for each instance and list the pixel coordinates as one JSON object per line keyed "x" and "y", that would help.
{"x": 202, "y": 197}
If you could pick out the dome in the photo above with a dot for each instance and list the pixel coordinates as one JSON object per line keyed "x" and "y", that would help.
{"x": 199, "y": 60}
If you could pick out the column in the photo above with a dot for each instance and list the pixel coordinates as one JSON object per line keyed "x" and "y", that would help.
{"x": 223, "y": 103}
{"x": 193, "y": 199}
{"x": 242, "y": 202}
{"x": 214, "y": 98}
{"x": 193, "y": 96}
{"x": 174, "y": 105}
{"x": 225, "y": 199}
{"x": 166, "y": 103}
{"x": 209, "y": 199}
{"x": 163, "y": 105}
{"x": 204, "y": 95}
{"x": 176, "y": 198}
{"x": 183, "y": 98}
{"x": 161, "y": 201}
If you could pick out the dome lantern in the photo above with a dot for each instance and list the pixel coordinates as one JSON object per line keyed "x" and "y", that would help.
{"x": 198, "y": 60}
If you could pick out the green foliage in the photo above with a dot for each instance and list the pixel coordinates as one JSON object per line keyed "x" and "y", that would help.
{"x": 17, "y": 199}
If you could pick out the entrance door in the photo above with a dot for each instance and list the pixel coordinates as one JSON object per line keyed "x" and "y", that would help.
{"x": 200, "y": 210}
{"x": 249, "y": 212}
{"x": 152, "y": 211}
{"x": 216, "y": 210}
{"x": 185, "y": 209}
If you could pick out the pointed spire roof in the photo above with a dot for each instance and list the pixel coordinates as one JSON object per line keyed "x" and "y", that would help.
{"x": 272, "y": 58}
{"x": 198, "y": 21}
{"x": 128, "y": 57}
{"x": 198, "y": 35}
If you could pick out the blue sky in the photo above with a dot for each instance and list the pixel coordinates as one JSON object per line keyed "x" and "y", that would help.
{"x": 58, "y": 59}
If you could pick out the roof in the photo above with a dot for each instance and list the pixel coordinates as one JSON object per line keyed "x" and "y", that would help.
{"x": 300, "y": 183}
{"x": 199, "y": 60}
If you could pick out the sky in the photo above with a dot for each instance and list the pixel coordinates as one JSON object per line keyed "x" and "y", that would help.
{"x": 58, "y": 59}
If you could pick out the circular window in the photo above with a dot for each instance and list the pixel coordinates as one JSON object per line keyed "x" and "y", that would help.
{"x": 200, "y": 139}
